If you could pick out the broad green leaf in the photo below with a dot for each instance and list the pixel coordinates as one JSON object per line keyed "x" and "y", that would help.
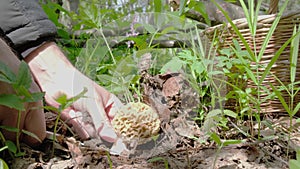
{"x": 149, "y": 28}
{"x": 51, "y": 108}
{"x": 75, "y": 98}
{"x": 230, "y": 113}
{"x": 9, "y": 128}
{"x": 3, "y": 164}
{"x": 294, "y": 164}
{"x": 22, "y": 91}
{"x": 213, "y": 113}
{"x": 24, "y": 76}
{"x": 34, "y": 97}
{"x": 20, "y": 154}
{"x": 175, "y": 64}
{"x": 298, "y": 154}
{"x": 167, "y": 30}
{"x": 11, "y": 101}
{"x": 216, "y": 138}
{"x": 140, "y": 43}
{"x": 198, "y": 67}
{"x": 5, "y": 79}
{"x": 6, "y": 74}
{"x": 62, "y": 99}
{"x": 11, "y": 146}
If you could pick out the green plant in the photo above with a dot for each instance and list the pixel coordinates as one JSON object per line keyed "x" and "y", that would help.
{"x": 64, "y": 103}
{"x": 155, "y": 159}
{"x": 295, "y": 164}
{"x": 20, "y": 83}
{"x": 3, "y": 164}
{"x": 221, "y": 144}
{"x": 255, "y": 56}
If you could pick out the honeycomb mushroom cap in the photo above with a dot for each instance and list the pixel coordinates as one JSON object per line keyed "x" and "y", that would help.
{"x": 136, "y": 121}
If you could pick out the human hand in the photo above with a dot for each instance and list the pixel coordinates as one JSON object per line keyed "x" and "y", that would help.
{"x": 32, "y": 119}
{"x": 91, "y": 115}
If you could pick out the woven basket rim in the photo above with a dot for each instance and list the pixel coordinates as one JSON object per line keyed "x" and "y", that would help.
{"x": 242, "y": 22}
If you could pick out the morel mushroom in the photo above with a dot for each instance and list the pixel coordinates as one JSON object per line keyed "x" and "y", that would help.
{"x": 136, "y": 122}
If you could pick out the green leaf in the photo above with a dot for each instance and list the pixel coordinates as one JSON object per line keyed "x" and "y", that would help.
{"x": 294, "y": 54}
{"x": 296, "y": 109}
{"x": 6, "y": 74}
{"x": 213, "y": 113}
{"x": 298, "y": 154}
{"x": 154, "y": 159}
{"x": 20, "y": 154}
{"x": 275, "y": 57}
{"x": 236, "y": 30}
{"x": 140, "y": 43}
{"x": 216, "y": 138}
{"x": 201, "y": 8}
{"x": 294, "y": 164}
{"x": 281, "y": 99}
{"x": 159, "y": 159}
{"x": 167, "y": 30}
{"x": 68, "y": 102}
{"x": 62, "y": 99}
{"x": 158, "y": 5}
{"x": 175, "y": 64}
{"x": 9, "y": 128}
{"x": 182, "y": 6}
{"x": 11, "y": 101}
{"x": 230, "y": 113}
{"x": 230, "y": 142}
{"x": 3, "y": 164}
{"x": 24, "y": 76}
{"x": 34, "y": 97}
{"x": 11, "y": 146}
{"x": 51, "y": 108}
{"x": 31, "y": 135}
{"x": 272, "y": 30}
{"x": 149, "y": 28}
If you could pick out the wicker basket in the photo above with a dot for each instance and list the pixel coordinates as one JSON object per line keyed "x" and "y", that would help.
{"x": 281, "y": 68}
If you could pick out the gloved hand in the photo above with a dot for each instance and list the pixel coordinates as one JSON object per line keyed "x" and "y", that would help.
{"x": 90, "y": 116}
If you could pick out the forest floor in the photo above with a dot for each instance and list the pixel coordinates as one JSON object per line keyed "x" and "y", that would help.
{"x": 182, "y": 144}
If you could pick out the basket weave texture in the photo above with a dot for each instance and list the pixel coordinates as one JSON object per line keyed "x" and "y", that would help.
{"x": 281, "y": 69}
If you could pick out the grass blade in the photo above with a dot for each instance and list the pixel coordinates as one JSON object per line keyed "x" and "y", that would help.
{"x": 281, "y": 99}
{"x": 294, "y": 54}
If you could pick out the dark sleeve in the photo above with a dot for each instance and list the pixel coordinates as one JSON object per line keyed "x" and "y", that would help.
{"x": 25, "y": 24}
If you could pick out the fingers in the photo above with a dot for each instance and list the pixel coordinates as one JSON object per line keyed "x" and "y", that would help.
{"x": 35, "y": 123}
{"x": 94, "y": 112}
{"x": 112, "y": 106}
{"x": 73, "y": 119}
{"x": 9, "y": 118}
